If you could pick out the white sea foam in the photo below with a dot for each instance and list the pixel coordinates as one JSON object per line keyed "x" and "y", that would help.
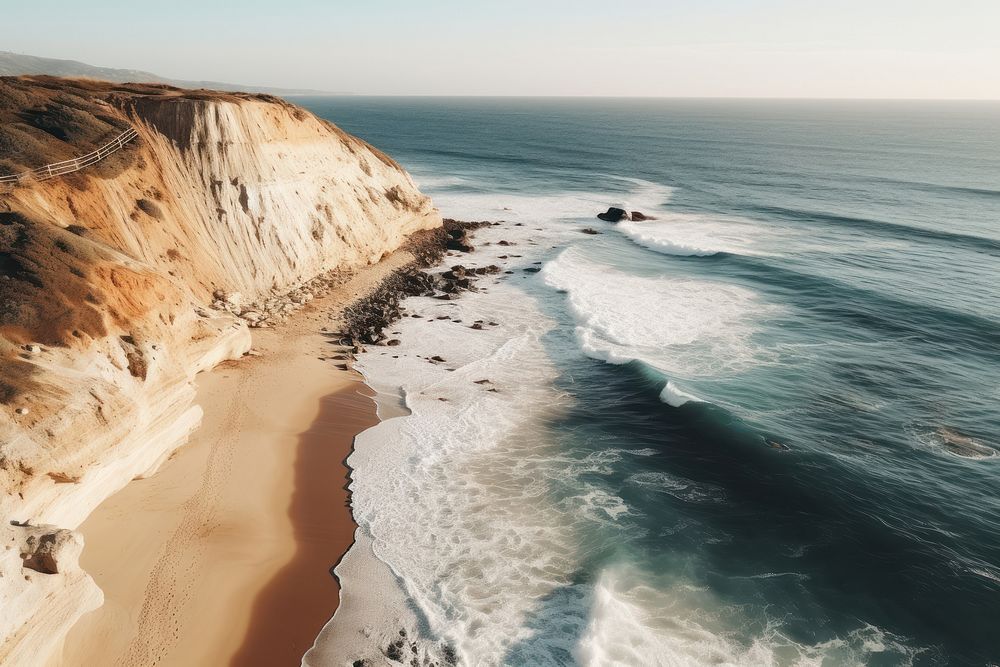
{"x": 682, "y": 327}
{"x": 455, "y": 494}
{"x": 632, "y": 623}
{"x": 598, "y": 505}
{"x": 675, "y": 397}
{"x": 699, "y": 235}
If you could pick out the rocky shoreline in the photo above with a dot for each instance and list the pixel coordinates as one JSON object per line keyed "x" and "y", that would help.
{"x": 365, "y": 321}
{"x": 368, "y": 318}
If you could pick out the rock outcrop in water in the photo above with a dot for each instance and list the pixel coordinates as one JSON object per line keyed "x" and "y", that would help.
{"x": 122, "y": 281}
{"x": 613, "y": 214}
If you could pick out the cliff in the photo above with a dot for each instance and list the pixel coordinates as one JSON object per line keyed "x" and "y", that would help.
{"x": 122, "y": 281}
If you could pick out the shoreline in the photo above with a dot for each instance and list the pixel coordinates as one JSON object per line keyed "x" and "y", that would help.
{"x": 308, "y": 583}
{"x": 200, "y": 573}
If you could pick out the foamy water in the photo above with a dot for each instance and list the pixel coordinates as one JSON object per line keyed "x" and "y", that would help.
{"x": 484, "y": 519}
{"x": 448, "y": 518}
{"x": 759, "y": 429}
{"x": 681, "y": 328}
{"x": 687, "y": 234}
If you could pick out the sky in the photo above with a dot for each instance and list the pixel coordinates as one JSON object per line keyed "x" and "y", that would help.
{"x": 664, "y": 48}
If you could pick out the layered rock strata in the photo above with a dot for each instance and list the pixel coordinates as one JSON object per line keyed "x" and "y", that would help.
{"x": 121, "y": 282}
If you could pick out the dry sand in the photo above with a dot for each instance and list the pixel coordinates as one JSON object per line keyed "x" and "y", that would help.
{"x": 224, "y": 556}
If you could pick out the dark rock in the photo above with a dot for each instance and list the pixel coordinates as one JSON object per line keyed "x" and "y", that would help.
{"x": 639, "y": 216}
{"x": 438, "y": 359}
{"x": 366, "y": 319}
{"x": 393, "y": 342}
{"x": 394, "y": 651}
{"x": 531, "y": 269}
{"x": 458, "y": 239}
{"x": 477, "y": 326}
{"x": 613, "y": 215}
{"x": 589, "y": 230}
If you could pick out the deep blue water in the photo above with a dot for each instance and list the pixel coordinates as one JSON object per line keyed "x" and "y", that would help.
{"x": 839, "y": 472}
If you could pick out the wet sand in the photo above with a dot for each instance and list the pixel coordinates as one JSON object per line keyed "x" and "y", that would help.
{"x": 224, "y": 555}
{"x": 298, "y": 601}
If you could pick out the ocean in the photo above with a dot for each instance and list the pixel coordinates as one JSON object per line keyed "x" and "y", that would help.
{"x": 762, "y": 428}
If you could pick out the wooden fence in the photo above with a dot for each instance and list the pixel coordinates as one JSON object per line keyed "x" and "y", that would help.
{"x": 76, "y": 164}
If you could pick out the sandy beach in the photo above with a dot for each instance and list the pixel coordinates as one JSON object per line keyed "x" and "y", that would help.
{"x": 224, "y": 555}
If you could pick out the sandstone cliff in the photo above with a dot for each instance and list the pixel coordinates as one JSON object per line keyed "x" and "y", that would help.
{"x": 122, "y": 281}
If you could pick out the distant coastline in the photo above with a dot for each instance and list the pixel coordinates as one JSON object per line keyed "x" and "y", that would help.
{"x": 19, "y": 64}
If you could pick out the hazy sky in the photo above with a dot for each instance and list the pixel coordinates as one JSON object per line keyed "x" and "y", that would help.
{"x": 765, "y": 48}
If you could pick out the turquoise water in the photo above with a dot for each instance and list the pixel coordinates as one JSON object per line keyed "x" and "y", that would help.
{"x": 790, "y": 380}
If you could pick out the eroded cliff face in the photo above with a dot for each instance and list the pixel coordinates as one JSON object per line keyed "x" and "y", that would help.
{"x": 106, "y": 278}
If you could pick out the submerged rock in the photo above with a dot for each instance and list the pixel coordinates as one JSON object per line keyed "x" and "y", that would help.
{"x": 963, "y": 445}
{"x": 639, "y": 216}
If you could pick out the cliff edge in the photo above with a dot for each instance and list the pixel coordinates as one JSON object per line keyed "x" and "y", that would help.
{"x": 120, "y": 282}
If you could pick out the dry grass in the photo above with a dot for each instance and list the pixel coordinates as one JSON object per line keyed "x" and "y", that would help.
{"x": 46, "y": 119}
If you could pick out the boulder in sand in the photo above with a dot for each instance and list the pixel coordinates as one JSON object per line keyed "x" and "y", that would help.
{"x": 50, "y": 550}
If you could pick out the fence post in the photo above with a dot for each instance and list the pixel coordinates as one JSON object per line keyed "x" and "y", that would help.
{"x": 75, "y": 164}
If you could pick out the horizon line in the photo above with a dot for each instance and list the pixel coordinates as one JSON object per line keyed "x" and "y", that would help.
{"x": 650, "y": 97}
